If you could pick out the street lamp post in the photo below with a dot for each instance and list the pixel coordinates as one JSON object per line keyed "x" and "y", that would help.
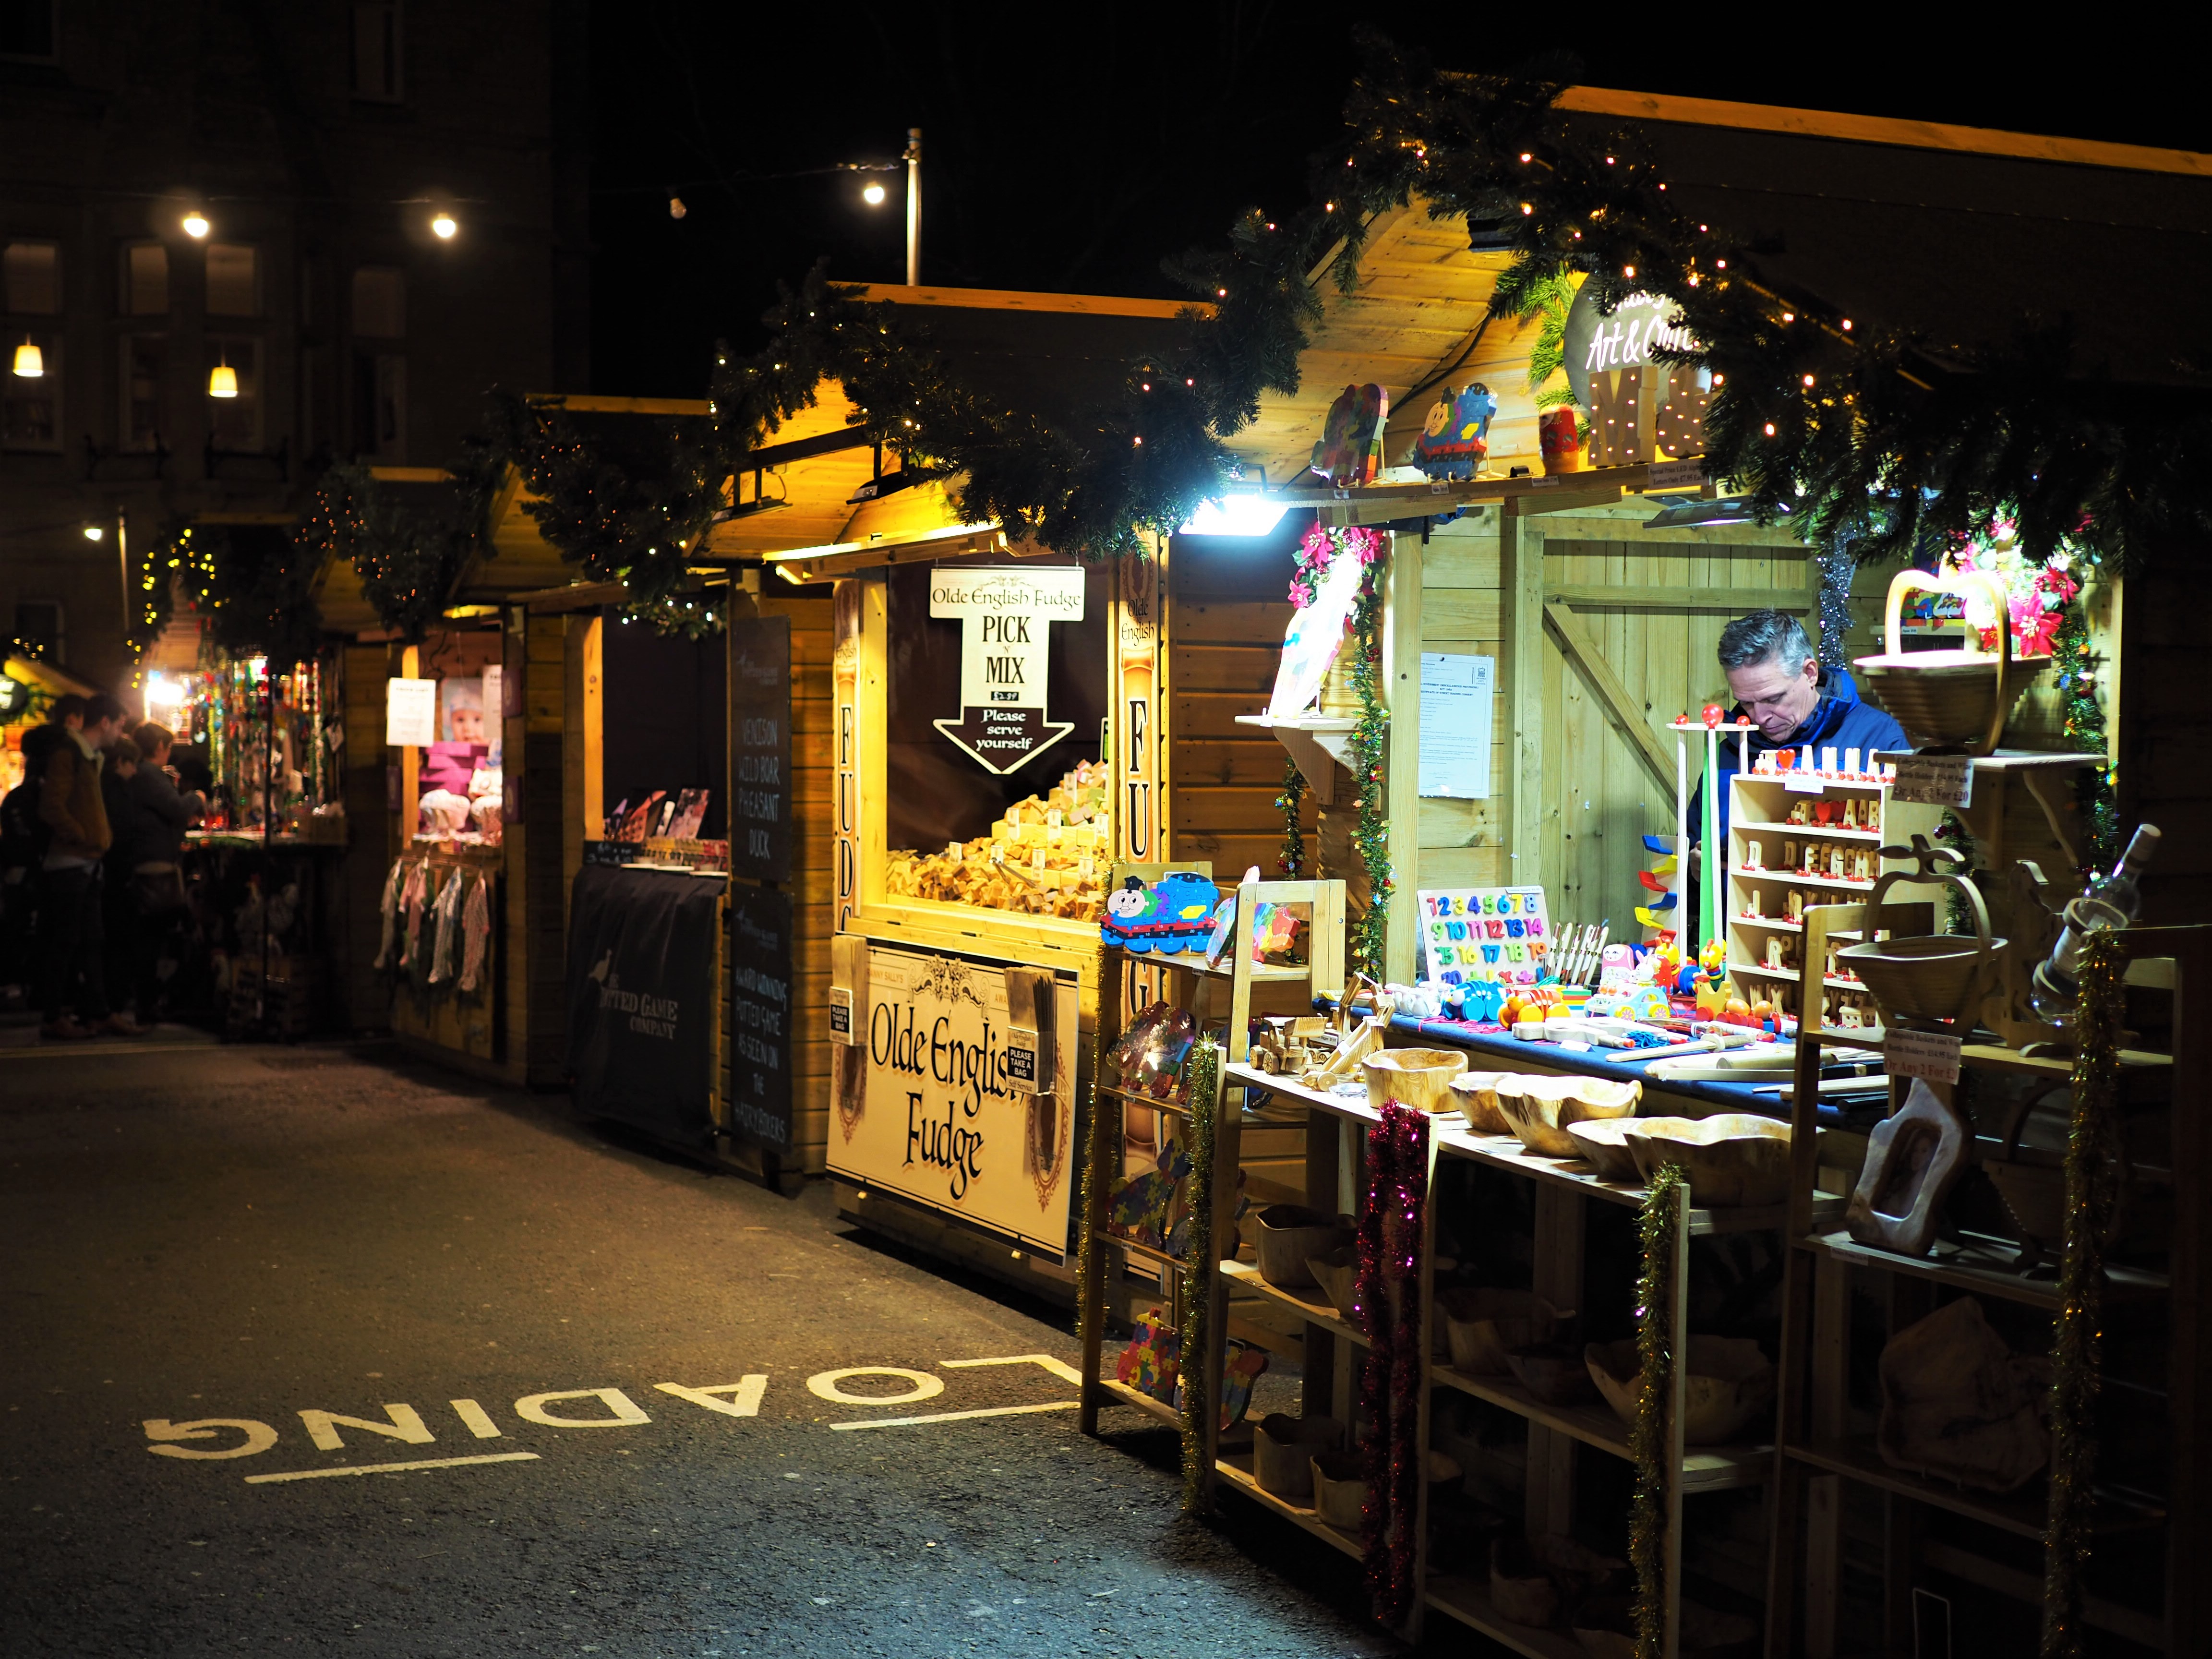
{"x": 913, "y": 207}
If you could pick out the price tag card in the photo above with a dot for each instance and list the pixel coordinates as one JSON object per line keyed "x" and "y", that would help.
{"x": 1934, "y": 779}
{"x": 955, "y": 851}
{"x": 1804, "y": 783}
{"x": 1674, "y": 475}
{"x": 1086, "y": 866}
{"x": 997, "y": 852}
{"x": 1929, "y": 1054}
{"x": 1036, "y": 859}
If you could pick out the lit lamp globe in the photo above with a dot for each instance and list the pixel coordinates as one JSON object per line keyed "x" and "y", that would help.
{"x": 873, "y": 195}
{"x": 444, "y": 226}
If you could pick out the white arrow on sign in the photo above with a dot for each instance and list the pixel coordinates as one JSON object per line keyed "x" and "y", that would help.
{"x": 1005, "y": 618}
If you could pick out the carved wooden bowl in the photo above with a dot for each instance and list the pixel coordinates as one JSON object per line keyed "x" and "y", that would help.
{"x": 1482, "y": 1326}
{"x": 1603, "y": 1144}
{"x": 1418, "y": 1078}
{"x": 1727, "y": 1383}
{"x": 1283, "y": 1452}
{"x": 1475, "y": 1093}
{"x": 1735, "y": 1158}
{"x": 1538, "y": 1108}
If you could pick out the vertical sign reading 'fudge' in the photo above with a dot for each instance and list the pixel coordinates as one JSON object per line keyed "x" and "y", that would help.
{"x": 760, "y": 748}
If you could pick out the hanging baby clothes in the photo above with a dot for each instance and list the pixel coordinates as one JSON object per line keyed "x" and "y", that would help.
{"x": 388, "y": 911}
{"x": 448, "y": 911}
{"x": 411, "y": 898}
{"x": 476, "y": 931}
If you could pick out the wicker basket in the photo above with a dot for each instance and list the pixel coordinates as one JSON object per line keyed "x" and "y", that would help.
{"x": 1948, "y": 700}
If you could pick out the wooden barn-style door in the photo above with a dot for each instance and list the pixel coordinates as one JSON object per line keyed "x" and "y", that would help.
{"x": 1625, "y": 624}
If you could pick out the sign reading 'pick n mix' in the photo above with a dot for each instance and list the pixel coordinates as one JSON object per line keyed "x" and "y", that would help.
{"x": 1006, "y": 617}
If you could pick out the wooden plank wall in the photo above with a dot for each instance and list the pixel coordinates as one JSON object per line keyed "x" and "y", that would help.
{"x": 1227, "y": 608}
{"x": 1600, "y": 796}
{"x": 812, "y": 885}
{"x": 2164, "y": 727}
{"x": 1462, "y": 843}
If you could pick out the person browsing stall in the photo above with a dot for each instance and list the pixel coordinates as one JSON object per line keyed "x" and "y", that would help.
{"x": 77, "y": 836}
{"x": 1780, "y": 687}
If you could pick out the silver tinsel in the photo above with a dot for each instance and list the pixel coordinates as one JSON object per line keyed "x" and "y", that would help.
{"x": 1836, "y": 567}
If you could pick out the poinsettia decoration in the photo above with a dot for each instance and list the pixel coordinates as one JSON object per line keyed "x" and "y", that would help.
{"x": 1322, "y": 546}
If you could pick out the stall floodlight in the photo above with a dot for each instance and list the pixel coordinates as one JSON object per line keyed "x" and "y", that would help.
{"x": 1696, "y": 511}
{"x": 1236, "y": 515}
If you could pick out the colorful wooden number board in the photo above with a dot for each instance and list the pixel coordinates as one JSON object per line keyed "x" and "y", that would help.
{"x": 1475, "y": 935}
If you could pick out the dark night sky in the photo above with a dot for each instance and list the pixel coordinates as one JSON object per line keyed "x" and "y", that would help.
{"x": 1073, "y": 155}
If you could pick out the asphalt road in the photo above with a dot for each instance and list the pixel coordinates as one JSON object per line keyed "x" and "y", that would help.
{"x": 228, "y": 1244}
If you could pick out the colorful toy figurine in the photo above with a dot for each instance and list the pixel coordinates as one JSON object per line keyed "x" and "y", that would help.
{"x": 1456, "y": 440}
{"x": 1173, "y": 915}
{"x": 1350, "y": 451}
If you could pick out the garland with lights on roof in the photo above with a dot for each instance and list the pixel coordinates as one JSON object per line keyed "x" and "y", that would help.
{"x": 1389, "y": 1310}
{"x": 408, "y": 561}
{"x": 1291, "y": 860}
{"x": 254, "y": 584}
{"x": 2093, "y": 1148}
{"x": 1659, "y": 1222}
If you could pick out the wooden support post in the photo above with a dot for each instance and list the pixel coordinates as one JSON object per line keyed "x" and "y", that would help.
{"x": 1548, "y": 1503}
{"x": 1105, "y": 1134}
{"x": 1400, "y": 676}
{"x": 1524, "y": 584}
{"x": 1678, "y": 1344}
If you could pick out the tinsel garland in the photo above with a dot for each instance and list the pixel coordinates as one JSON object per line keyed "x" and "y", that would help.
{"x": 1202, "y": 1374}
{"x": 1291, "y": 860}
{"x": 2077, "y": 1361}
{"x": 1649, "y": 1440}
{"x": 1090, "y": 1310}
{"x": 2082, "y": 716}
{"x": 1370, "y": 835}
{"x": 1836, "y": 567}
{"x": 1389, "y": 1311}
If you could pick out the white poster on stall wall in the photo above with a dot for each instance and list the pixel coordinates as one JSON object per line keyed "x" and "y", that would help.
{"x": 1458, "y": 698}
{"x": 943, "y": 1122}
{"x": 410, "y": 713}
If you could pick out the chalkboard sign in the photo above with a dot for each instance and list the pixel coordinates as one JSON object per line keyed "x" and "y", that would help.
{"x": 760, "y": 1014}
{"x": 760, "y": 748}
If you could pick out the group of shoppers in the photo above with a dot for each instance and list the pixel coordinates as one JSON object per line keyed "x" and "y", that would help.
{"x": 94, "y": 837}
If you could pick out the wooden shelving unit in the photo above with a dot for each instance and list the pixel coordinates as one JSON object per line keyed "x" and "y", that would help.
{"x": 1819, "y": 1453}
{"x": 1563, "y": 1191}
{"x": 1191, "y": 985}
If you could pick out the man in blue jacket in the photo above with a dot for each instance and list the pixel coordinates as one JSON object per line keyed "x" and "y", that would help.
{"x": 1781, "y": 688}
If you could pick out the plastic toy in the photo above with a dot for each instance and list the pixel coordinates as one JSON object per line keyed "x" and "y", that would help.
{"x": 1172, "y": 915}
{"x": 1456, "y": 440}
{"x": 1350, "y": 450}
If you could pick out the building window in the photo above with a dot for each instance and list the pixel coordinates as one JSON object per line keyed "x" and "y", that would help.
{"x": 144, "y": 283}
{"x": 379, "y": 302}
{"x": 31, "y": 409}
{"x": 31, "y": 274}
{"x": 380, "y": 387}
{"x": 145, "y": 372}
{"x": 233, "y": 280}
{"x": 27, "y": 32}
{"x": 234, "y": 423}
{"x": 39, "y": 626}
{"x": 376, "y": 45}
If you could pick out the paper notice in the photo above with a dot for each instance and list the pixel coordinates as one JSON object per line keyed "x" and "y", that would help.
{"x": 1457, "y": 703}
{"x": 410, "y": 713}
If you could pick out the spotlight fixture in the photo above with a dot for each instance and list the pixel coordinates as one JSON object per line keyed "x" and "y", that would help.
{"x": 196, "y": 224}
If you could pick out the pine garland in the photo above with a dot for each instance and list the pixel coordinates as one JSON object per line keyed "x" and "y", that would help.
{"x": 1371, "y": 837}
{"x": 1291, "y": 860}
{"x": 2091, "y": 1165}
{"x": 2083, "y": 718}
{"x": 1200, "y": 1373}
{"x": 1650, "y": 1441}
{"x": 1389, "y": 1313}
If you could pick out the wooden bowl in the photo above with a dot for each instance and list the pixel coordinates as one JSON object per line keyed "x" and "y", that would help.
{"x": 1538, "y": 1108}
{"x": 1338, "y": 1274}
{"x": 1482, "y": 1326}
{"x": 1554, "y": 1372}
{"x": 1728, "y": 1382}
{"x": 1735, "y": 1158}
{"x": 1283, "y": 1449}
{"x": 1418, "y": 1078}
{"x": 1603, "y": 1144}
{"x": 1340, "y": 1488}
{"x": 1289, "y": 1235}
{"x": 1521, "y": 1589}
{"x": 1947, "y": 699}
{"x": 1931, "y": 976}
{"x": 1475, "y": 1093}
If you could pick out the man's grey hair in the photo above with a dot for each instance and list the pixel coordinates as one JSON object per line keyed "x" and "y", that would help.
{"x": 1772, "y": 636}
